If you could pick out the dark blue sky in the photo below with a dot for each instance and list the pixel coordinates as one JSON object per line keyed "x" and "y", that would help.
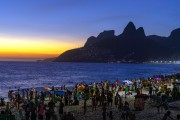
{"x": 79, "y": 19}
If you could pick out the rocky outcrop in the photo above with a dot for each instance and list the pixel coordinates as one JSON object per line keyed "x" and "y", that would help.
{"x": 132, "y": 45}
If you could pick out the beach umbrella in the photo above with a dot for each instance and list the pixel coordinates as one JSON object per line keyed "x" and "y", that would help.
{"x": 127, "y": 81}
{"x": 46, "y": 89}
{"x": 80, "y": 87}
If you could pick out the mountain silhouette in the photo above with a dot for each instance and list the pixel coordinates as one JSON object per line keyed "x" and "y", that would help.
{"x": 130, "y": 46}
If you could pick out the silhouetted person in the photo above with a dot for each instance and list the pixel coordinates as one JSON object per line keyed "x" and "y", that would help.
{"x": 93, "y": 103}
{"x": 104, "y": 111}
{"x": 110, "y": 115}
{"x": 85, "y": 107}
{"x": 150, "y": 90}
{"x": 41, "y": 109}
{"x": 126, "y": 109}
{"x": 48, "y": 115}
{"x": 51, "y": 106}
{"x": 61, "y": 107}
{"x": 116, "y": 101}
{"x": 33, "y": 112}
{"x": 110, "y": 98}
{"x": 27, "y": 111}
{"x": 167, "y": 115}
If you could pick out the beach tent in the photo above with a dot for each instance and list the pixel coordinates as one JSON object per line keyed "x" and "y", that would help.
{"x": 127, "y": 81}
{"x": 46, "y": 89}
{"x": 60, "y": 92}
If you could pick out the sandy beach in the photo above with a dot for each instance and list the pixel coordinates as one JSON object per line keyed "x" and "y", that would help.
{"x": 149, "y": 113}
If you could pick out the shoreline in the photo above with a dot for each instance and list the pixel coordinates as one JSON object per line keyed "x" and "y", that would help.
{"x": 71, "y": 86}
{"x": 171, "y": 63}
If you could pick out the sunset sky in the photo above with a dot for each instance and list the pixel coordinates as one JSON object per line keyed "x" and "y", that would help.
{"x": 38, "y": 29}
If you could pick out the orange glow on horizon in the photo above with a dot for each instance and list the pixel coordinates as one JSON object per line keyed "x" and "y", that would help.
{"x": 26, "y": 55}
{"x": 32, "y": 48}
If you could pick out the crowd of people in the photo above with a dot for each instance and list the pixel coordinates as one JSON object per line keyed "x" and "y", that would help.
{"x": 33, "y": 104}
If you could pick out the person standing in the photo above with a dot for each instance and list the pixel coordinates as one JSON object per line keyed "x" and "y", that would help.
{"x": 27, "y": 110}
{"x": 150, "y": 90}
{"x": 110, "y": 98}
{"x": 51, "y": 106}
{"x": 116, "y": 101}
{"x": 33, "y": 111}
{"x": 104, "y": 111}
{"x": 41, "y": 110}
{"x": 85, "y": 107}
{"x": 126, "y": 90}
{"x": 48, "y": 114}
{"x": 61, "y": 107}
{"x": 94, "y": 102}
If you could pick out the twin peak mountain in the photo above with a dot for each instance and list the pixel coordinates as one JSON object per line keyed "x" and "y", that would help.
{"x": 130, "y": 46}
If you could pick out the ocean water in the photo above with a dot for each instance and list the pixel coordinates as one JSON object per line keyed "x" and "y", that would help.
{"x": 15, "y": 75}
